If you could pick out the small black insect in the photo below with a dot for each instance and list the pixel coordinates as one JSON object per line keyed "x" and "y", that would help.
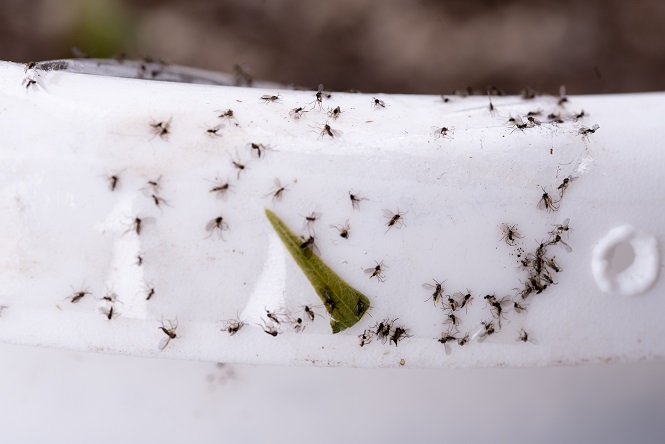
{"x": 310, "y": 219}
{"x": 453, "y": 320}
{"x": 108, "y": 312}
{"x": 78, "y": 295}
{"x": 161, "y": 129}
{"x": 465, "y": 299}
{"x": 437, "y": 290}
{"x": 335, "y": 113}
{"x": 584, "y": 131}
{"x": 360, "y": 308}
{"x": 366, "y": 337}
{"x": 139, "y": 260}
{"x": 149, "y": 293}
{"x": 278, "y": 191}
{"x": 355, "y": 200}
{"x": 382, "y": 329}
{"x": 232, "y": 326}
{"x": 298, "y": 325}
{"x": 328, "y": 131}
{"x": 518, "y": 123}
{"x": 491, "y": 107}
{"x": 519, "y": 308}
{"x": 269, "y": 329}
{"x": 308, "y": 245}
{"x": 239, "y": 166}
{"x": 258, "y": 149}
{"x": 309, "y": 312}
{"x": 272, "y": 315}
{"x": 28, "y": 82}
{"x": 344, "y": 230}
{"x": 297, "y": 113}
{"x": 565, "y": 184}
{"x": 546, "y": 202}
{"x": 556, "y": 240}
{"x": 398, "y": 334}
{"x": 220, "y": 188}
{"x": 270, "y": 99}
{"x": 451, "y": 304}
{"x": 396, "y": 219}
{"x": 377, "y": 271}
{"x": 152, "y": 186}
{"x": 229, "y": 115}
{"x": 29, "y": 65}
{"x": 442, "y": 132}
{"x": 487, "y": 330}
{"x": 444, "y": 99}
{"x": 328, "y": 301}
{"x": 534, "y": 113}
{"x": 580, "y": 115}
{"x": 555, "y": 118}
{"x": 169, "y": 331}
{"x": 158, "y": 200}
{"x": 320, "y": 95}
{"x": 562, "y": 228}
{"x": 217, "y": 225}
{"x": 463, "y": 340}
{"x": 114, "y": 181}
{"x": 533, "y": 121}
{"x": 215, "y": 130}
{"x": 524, "y": 336}
{"x": 510, "y": 234}
{"x": 551, "y": 262}
{"x": 563, "y": 99}
{"x": 445, "y": 339}
{"x": 376, "y": 103}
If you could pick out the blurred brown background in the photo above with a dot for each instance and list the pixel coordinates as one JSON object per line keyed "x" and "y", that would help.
{"x": 420, "y": 46}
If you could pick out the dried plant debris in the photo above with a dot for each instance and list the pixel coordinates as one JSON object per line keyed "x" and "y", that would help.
{"x": 339, "y": 298}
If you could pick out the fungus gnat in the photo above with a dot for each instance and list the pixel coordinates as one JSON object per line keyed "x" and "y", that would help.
{"x": 376, "y": 103}
{"x": 310, "y": 219}
{"x": 565, "y": 184}
{"x": 239, "y": 166}
{"x": 158, "y": 201}
{"x": 308, "y": 245}
{"x": 169, "y": 331}
{"x": 215, "y": 130}
{"x": 220, "y": 188}
{"x": 366, "y": 337}
{"x": 277, "y": 191}
{"x": 152, "y": 186}
{"x": 344, "y": 230}
{"x": 396, "y": 219}
{"x": 149, "y": 293}
{"x": 309, "y": 312}
{"x": 436, "y": 289}
{"x": 398, "y": 334}
{"x": 232, "y": 326}
{"x": 139, "y": 260}
{"x": 113, "y": 181}
{"x": 328, "y": 131}
{"x": 464, "y": 299}
{"x": 258, "y": 149}
{"x": 28, "y": 82}
{"x": 551, "y": 263}
{"x": 442, "y": 132}
{"x": 444, "y": 339}
{"x": 269, "y": 329}
{"x": 229, "y": 115}
{"x": 485, "y": 331}
{"x": 585, "y": 132}
{"x": 382, "y": 329}
{"x": 510, "y": 234}
{"x": 491, "y": 107}
{"x": 563, "y": 99}
{"x": 319, "y": 96}
{"x": 329, "y": 302}
{"x": 355, "y": 200}
{"x": 463, "y": 340}
{"x": 578, "y": 116}
{"x": 78, "y": 295}
{"x": 562, "y": 228}
{"x": 360, "y": 308}
{"x": 138, "y": 223}
{"x": 546, "y": 202}
{"x": 524, "y": 337}
{"x": 297, "y": 324}
{"x": 297, "y": 113}
{"x": 556, "y": 240}
{"x": 270, "y": 98}
{"x": 161, "y": 129}
{"x": 335, "y": 113}
{"x": 217, "y": 225}
{"x": 376, "y": 271}
{"x": 519, "y": 308}
{"x": 452, "y": 319}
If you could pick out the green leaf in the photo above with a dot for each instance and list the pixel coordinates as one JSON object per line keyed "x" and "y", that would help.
{"x": 345, "y": 304}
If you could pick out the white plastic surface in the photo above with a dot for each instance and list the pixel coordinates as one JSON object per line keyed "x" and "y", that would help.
{"x": 63, "y": 230}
